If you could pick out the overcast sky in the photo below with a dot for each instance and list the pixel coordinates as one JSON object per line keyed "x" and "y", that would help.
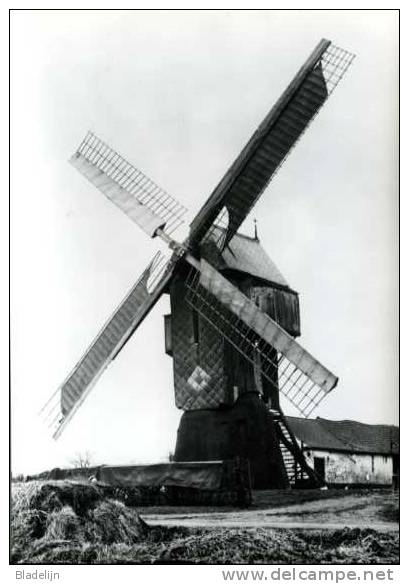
{"x": 178, "y": 94}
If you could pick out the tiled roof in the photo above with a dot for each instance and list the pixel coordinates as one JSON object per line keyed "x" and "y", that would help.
{"x": 346, "y": 435}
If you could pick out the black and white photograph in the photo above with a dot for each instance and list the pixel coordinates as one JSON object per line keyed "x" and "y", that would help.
{"x": 204, "y": 291}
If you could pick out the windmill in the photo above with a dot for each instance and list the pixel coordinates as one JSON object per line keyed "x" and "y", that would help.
{"x": 231, "y": 332}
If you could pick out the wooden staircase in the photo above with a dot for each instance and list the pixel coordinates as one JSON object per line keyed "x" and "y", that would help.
{"x": 299, "y": 473}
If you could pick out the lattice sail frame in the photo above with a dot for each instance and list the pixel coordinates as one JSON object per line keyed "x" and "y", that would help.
{"x": 152, "y": 209}
{"x": 299, "y": 388}
{"x": 130, "y": 189}
{"x": 69, "y": 396}
{"x": 334, "y": 63}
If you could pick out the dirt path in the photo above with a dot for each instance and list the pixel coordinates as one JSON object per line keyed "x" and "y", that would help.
{"x": 228, "y": 521}
{"x": 355, "y": 510}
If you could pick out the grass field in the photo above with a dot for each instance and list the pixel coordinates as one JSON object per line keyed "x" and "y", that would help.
{"x": 73, "y": 522}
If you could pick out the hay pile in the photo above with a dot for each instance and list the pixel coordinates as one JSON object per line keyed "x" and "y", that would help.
{"x": 72, "y": 522}
{"x": 58, "y": 521}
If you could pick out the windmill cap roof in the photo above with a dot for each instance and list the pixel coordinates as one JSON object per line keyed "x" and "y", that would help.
{"x": 246, "y": 254}
{"x": 346, "y": 435}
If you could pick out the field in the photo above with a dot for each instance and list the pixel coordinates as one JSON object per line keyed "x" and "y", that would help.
{"x": 74, "y": 522}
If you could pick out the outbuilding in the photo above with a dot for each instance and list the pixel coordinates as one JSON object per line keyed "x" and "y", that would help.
{"x": 349, "y": 453}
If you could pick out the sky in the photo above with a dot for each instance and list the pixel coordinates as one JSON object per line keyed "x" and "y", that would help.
{"x": 178, "y": 93}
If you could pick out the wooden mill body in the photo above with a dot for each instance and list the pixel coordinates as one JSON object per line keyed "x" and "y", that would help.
{"x": 225, "y": 398}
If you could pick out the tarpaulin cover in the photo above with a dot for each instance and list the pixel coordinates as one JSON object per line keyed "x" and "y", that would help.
{"x": 198, "y": 475}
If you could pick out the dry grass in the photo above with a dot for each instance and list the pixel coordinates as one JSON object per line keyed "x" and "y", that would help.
{"x": 54, "y": 521}
{"x": 283, "y": 546}
{"x": 74, "y": 522}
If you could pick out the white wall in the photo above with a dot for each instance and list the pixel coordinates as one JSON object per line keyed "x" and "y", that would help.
{"x": 353, "y": 468}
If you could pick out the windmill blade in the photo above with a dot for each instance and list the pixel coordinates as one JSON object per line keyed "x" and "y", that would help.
{"x": 140, "y": 198}
{"x": 247, "y": 178}
{"x": 123, "y": 323}
{"x": 301, "y": 378}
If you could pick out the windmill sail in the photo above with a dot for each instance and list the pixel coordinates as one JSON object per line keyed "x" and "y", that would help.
{"x": 273, "y": 352}
{"x": 111, "y": 339}
{"x": 127, "y": 187}
{"x": 245, "y": 181}
{"x": 301, "y": 378}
